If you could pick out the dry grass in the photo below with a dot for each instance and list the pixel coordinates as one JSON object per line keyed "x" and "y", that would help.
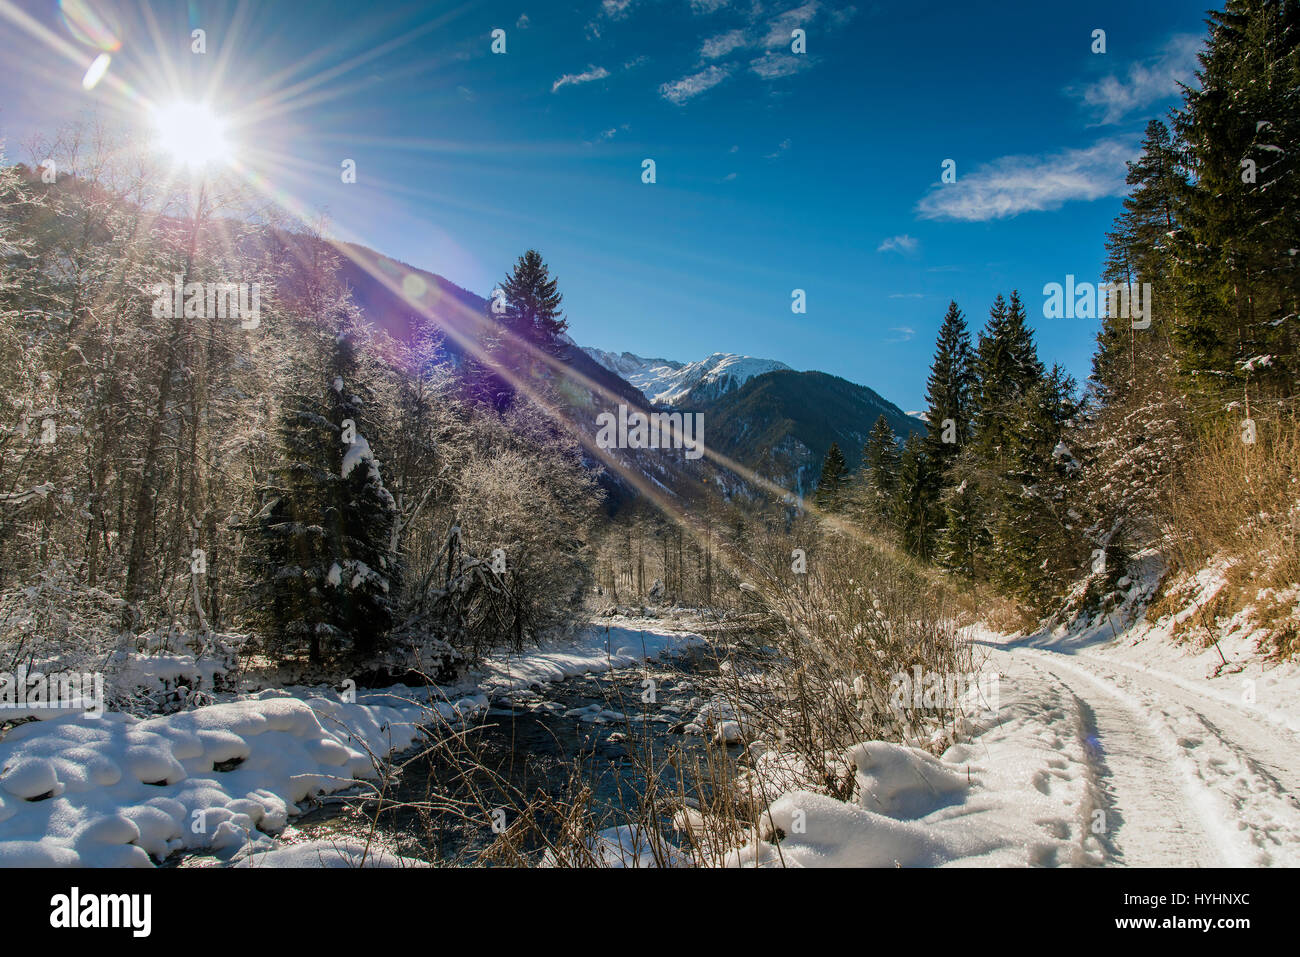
{"x": 1240, "y": 504}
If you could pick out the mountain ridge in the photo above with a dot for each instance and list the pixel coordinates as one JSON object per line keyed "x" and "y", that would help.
{"x": 765, "y": 416}
{"x": 671, "y": 383}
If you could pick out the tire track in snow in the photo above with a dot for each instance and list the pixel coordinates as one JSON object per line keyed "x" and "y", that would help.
{"x": 1152, "y": 817}
{"x": 1239, "y": 769}
{"x": 1272, "y": 748}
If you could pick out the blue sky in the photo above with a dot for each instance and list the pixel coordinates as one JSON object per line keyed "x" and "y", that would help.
{"x": 775, "y": 170}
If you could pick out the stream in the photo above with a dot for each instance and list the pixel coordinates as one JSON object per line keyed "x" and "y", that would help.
{"x": 589, "y": 732}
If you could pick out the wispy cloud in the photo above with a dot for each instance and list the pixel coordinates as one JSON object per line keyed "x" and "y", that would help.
{"x": 1013, "y": 185}
{"x": 902, "y": 244}
{"x": 679, "y": 91}
{"x": 609, "y": 10}
{"x": 772, "y": 66}
{"x": 1146, "y": 82}
{"x": 779, "y": 27}
{"x": 572, "y": 79}
{"x": 616, "y": 9}
{"x": 759, "y": 32}
{"x": 723, "y": 44}
{"x": 902, "y": 334}
{"x": 907, "y": 295}
{"x": 842, "y": 15}
{"x": 781, "y": 148}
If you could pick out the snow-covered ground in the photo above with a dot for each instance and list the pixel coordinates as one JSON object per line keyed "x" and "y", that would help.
{"x": 119, "y": 790}
{"x": 1110, "y": 749}
{"x": 1120, "y": 749}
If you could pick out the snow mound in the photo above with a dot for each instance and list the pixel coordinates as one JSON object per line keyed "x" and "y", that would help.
{"x": 120, "y": 791}
{"x": 900, "y": 781}
{"x": 324, "y": 854}
{"x": 820, "y": 831}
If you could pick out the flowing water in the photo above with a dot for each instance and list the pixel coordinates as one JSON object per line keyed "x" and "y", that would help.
{"x": 595, "y": 731}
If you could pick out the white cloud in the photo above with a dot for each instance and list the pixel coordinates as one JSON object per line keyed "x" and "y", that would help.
{"x": 1146, "y": 82}
{"x": 616, "y": 9}
{"x": 902, "y": 244}
{"x": 773, "y": 66}
{"x": 1013, "y": 185}
{"x": 571, "y": 79}
{"x": 779, "y": 28}
{"x": 905, "y": 333}
{"x": 707, "y": 6}
{"x": 781, "y": 148}
{"x": 723, "y": 44}
{"x": 907, "y": 295}
{"x": 679, "y": 91}
{"x": 843, "y": 15}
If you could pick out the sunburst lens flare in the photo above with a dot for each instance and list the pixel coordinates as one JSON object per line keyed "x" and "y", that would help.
{"x": 96, "y": 72}
{"x": 192, "y": 135}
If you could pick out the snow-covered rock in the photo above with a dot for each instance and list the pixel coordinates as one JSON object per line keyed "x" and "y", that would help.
{"x": 665, "y": 382}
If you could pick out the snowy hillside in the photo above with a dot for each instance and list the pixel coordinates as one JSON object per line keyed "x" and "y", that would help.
{"x": 666, "y": 382}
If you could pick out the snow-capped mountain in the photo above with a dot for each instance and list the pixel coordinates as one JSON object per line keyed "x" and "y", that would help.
{"x": 666, "y": 382}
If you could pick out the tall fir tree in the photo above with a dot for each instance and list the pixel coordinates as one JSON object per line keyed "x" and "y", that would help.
{"x": 1006, "y": 368}
{"x": 948, "y": 391}
{"x": 321, "y": 547}
{"x": 830, "y": 487}
{"x": 1036, "y": 550}
{"x": 915, "y": 499}
{"x": 1139, "y": 250}
{"x": 1238, "y": 281}
{"x": 880, "y": 465}
{"x": 964, "y": 536}
{"x": 533, "y": 303}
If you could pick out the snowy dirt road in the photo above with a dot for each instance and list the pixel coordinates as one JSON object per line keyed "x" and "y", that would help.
{"x": 1178, "y": 775}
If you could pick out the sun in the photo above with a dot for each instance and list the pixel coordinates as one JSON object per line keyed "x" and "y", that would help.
{"x": 192, "y": 134}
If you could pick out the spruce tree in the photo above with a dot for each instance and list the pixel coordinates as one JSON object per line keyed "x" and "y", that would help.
{"x": 915, "y": 499}
{"x": 1140, "y": 250}
{"x": 1238, "y": 280}
{"x": 880, "y": 461}
{"x": 1006, "y": 368}
{"x": 948, "y": 391}
{"x": 830, "y": 486}
{"x": 1139, "y": 246}
{"x": 533, "y": 303}
{"x": 320, "y": 549}
{"x": 1034, "y": 547}
{"x": 964, "y": 536}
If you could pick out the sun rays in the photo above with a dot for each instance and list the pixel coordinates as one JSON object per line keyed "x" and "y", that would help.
{"x": 238, "y": 116}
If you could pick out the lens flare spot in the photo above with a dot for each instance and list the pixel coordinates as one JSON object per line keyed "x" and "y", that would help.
{"x": 413, "y": 286}
{"x": 91, "y": 23}
{"x": 96, "y": 72}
